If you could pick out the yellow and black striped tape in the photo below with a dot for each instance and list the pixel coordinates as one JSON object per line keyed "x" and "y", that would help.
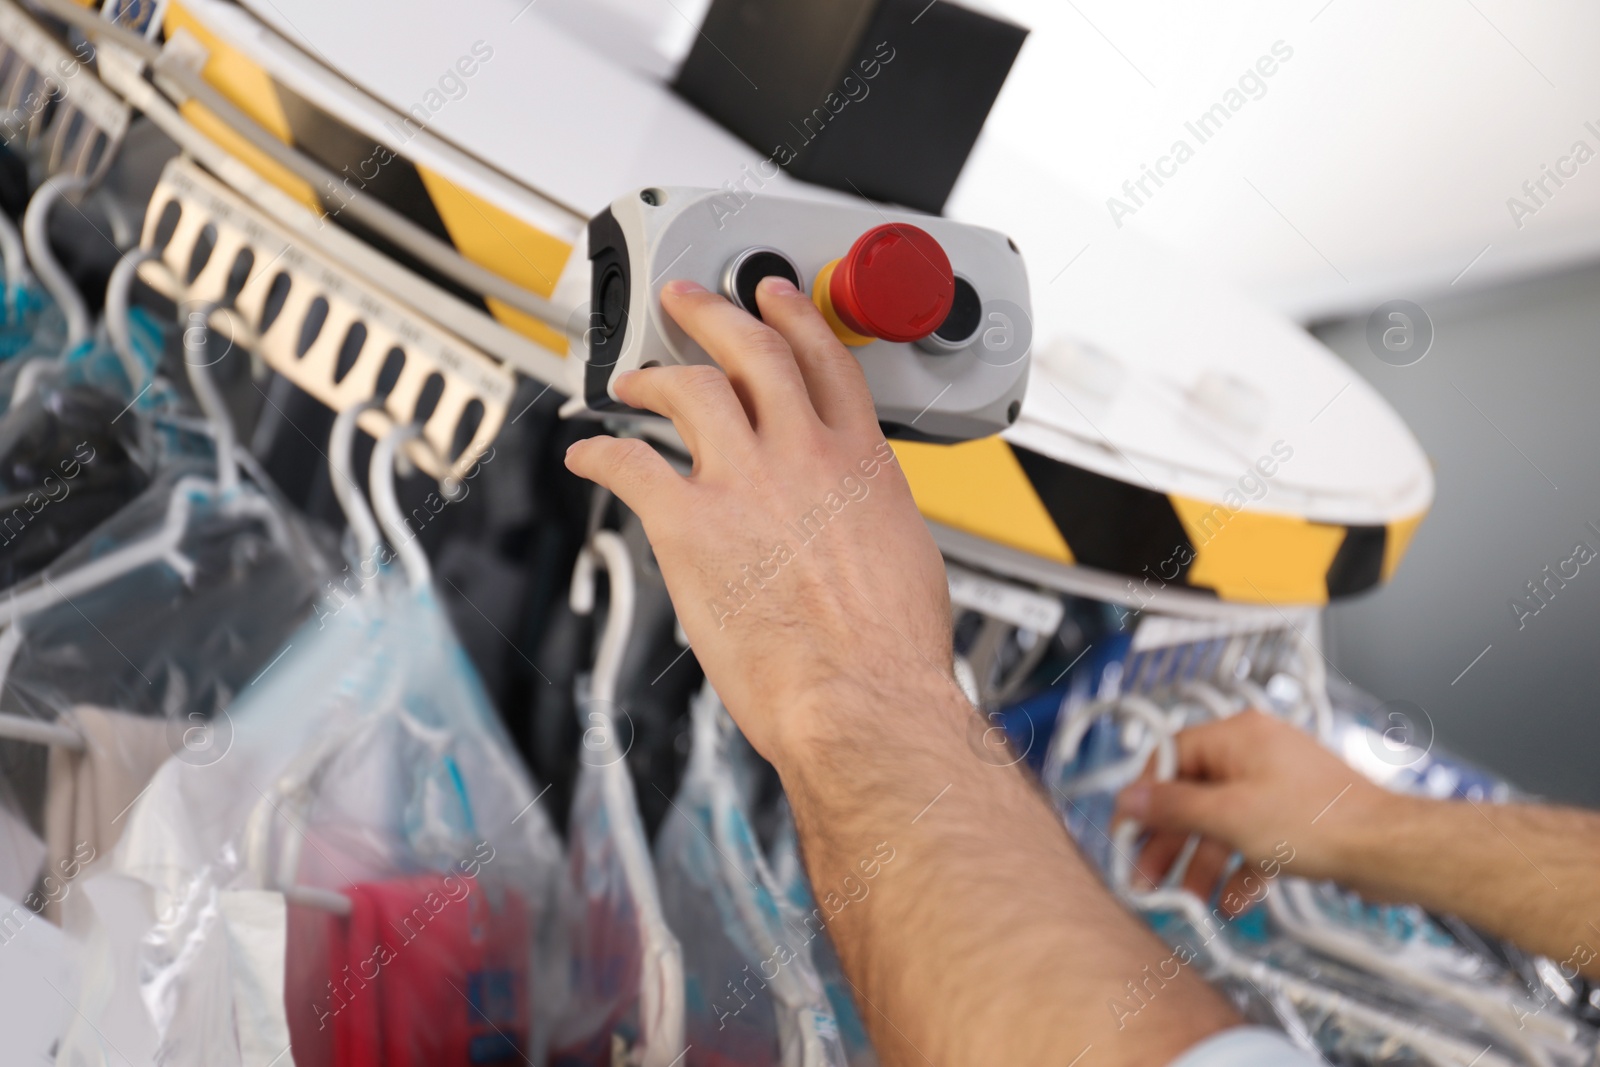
{"x": 480, "y": 231}
{"x": 1024, "y": 500}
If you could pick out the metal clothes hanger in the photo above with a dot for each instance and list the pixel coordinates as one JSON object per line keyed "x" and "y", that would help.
{"x": 12, "y": 251}
{"x": 661, "y": 988}
{"x": 162, "y": 547}
{"x": 357, "y": 513}
{"x": 1292, "y": 905}
{"x": 36, "y": 240}
{"x": 280, "y": 872}
{"x": 118, "y": 329}
{"x": 386, "y": 502}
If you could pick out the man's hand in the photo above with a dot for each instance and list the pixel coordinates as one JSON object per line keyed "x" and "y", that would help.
{"x": 800, "y": 568}
{"x": 1258, "y": 786}
{"x": 968, "y": 925}
{"x": 1255, "y": 785}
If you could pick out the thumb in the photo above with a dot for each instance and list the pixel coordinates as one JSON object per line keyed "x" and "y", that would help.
{"x": 627, "y": 466}
{"x": 1184, "y": 807}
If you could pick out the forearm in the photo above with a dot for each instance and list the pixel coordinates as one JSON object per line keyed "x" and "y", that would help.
{"x": 942, "y": 974}
{"x": 1526, "y": 873}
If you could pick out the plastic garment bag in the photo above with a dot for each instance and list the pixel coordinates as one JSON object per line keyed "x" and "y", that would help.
{"x": 627, "y": 1003}
{"x": 50, "y": 339}
{"x": 362, "y": 871}
{"x": 791, "y": 876}
{"x": 30, "y": 323}
{"x": 114, "y": 657}
{"x": 752, "y": 993}
{"x": 72, "y": 451}
{"x": 94, "y": 363}
{"x": 180, "y": 636}
{"x": 67, "y": 462}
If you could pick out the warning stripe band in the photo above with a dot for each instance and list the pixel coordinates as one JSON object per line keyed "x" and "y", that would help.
{"x": 1027, "y": 501}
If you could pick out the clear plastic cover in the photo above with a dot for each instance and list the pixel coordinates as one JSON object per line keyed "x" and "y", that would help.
{"x": 127, "y": 665}
{"x": 30, "y": 323}
{"x": 94, "y": 363}
{"x": 627, "y": 1001}
{"x": 790, "y": 873}
{"x": 67, "y": 463}
{"x": 180, "y": 636}
{"x": 358, "y": 867}
{"x": 753, "y": 993}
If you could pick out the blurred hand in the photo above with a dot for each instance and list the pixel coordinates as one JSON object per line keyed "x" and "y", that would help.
{"x": 1255, "y": 785}
{"x": 802, "y": 572}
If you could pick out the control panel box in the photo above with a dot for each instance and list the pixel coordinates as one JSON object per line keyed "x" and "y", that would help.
{"x": 937, "y": 312}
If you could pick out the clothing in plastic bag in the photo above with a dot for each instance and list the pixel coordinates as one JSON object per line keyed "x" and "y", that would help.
{"x": 752, "y": 993}
{"x": 366, "y": 758}
{"x": 418, "y": 937}
{"x": 67, "y": 463}
{"x": 30, "y": 323}
{"x": 791, "y": 875}
{"x": 89, "y": 789}
{"x": 90, "y": 365}
{"x": 168, "y": 642}
{"x": 178, "y": 638}
{"x": 627, "y": 995}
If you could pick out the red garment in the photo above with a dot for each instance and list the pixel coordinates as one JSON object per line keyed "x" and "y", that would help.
{"x": 430, "y": 973}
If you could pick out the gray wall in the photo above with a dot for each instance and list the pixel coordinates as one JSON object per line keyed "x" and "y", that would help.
{"x": 1528, "y": 357}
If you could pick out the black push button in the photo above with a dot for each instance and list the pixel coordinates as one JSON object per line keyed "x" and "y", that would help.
{"x": 745, "y": 271}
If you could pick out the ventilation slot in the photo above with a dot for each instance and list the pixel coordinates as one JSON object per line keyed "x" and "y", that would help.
{"x": 311, "y": 326}
{"x": 238, "y": 274}
{"x": 393, "y": 365}
{"x": 355, "y": 338}
{"x": 428, "y": 398}
{"x": 167, "y": 224}
{"x": 466, "y": 428}
{"x": 276, "y": 295}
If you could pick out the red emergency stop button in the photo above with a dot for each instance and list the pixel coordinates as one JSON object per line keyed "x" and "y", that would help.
{"x": 895, "y": 283}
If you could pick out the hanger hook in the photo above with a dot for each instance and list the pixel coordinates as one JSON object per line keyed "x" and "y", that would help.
{"x": 118, "y": 290}
{"x": 16, "y": 260}
{"x": 386, "y": 503}
{"x": 341, "y": 442}
{"x": 123, "y": 233}
{"x": 36, "y": 239}
{"x": 197, "y": 327}
{"x": 606, "y": 548}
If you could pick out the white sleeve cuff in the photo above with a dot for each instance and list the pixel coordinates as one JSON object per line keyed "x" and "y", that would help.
{"x": 1246, "y": 1046}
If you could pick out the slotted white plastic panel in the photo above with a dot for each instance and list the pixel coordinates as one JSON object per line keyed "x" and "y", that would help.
{"x": 250, "y": 263}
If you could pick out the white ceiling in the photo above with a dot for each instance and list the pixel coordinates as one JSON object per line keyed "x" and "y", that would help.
{"x": 1376, "y": 165}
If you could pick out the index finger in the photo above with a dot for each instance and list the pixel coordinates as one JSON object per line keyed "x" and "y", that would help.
{"x": 756, "y": 358}
{"x": 1211, "y": 750}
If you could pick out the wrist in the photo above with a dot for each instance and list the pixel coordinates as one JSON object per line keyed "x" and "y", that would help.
{"x": 844, "y": 723}
{"x": 1353, "y": 846}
